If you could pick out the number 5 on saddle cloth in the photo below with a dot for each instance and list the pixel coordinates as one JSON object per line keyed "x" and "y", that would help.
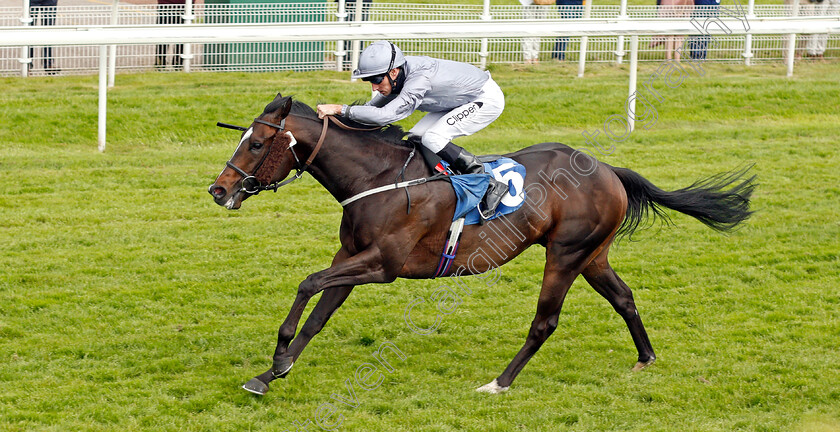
{"x": 470, "y": 188}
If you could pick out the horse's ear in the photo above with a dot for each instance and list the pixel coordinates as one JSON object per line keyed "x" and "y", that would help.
{"x": 279, "y": 107}
{"x": 279, "y": 96}
{"x": 286, "y": 108}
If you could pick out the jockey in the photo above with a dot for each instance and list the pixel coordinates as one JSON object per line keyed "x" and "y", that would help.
{"x": 460, "y": 100}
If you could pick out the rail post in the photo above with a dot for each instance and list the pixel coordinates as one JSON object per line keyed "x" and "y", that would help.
{"x": 25, "y": 60}
{"x": 341, "y": 15}
{"x": 485, "y": 51}
{"x": 634, "y": 70}
{"x": 103, "y": 95}
{"x": 619, "y": 45}
{"x": 188, "y": 17}
{"x": 112, "y": 49}
{"x": 748, "y": 38}
{"x": 584, "y": 40}
{"x": 357, "y": 44}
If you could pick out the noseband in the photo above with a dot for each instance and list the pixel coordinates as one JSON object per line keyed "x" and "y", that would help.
{"x": 251, "y": 183}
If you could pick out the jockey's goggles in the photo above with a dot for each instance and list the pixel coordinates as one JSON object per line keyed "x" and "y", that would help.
{"x": 376, "y": 79}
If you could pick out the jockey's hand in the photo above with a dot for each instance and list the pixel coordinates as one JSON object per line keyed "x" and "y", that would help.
{"x": 328, "y": 110}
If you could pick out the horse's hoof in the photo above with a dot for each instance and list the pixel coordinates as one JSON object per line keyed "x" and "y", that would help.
{"x": 281, "y": 369}
{"x": 641, "y": 365}
{"x": 492, "y": 388}
{"x": 256, "y": 386}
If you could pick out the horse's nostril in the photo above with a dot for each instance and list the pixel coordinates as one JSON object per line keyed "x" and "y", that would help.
{"x": 217, "y": 191}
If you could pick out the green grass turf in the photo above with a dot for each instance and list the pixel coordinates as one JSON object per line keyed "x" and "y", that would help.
{"x": 130, "y": 301}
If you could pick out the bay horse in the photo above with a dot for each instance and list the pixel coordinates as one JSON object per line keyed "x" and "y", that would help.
{"x": 575, "y": 207}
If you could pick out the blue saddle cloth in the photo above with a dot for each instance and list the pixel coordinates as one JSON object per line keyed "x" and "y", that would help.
{"x": 470, "y": 188}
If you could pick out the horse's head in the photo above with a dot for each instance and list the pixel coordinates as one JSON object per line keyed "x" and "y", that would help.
{"x": 262, "y": 158}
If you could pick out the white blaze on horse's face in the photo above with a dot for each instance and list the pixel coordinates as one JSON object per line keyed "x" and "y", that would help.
{"x": 245, "y": 137}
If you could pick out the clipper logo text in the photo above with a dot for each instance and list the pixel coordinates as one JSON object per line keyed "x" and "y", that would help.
{"x": 455, "y": 118}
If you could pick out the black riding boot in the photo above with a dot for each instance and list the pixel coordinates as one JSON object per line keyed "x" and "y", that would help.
{"x": 464, "y": 162}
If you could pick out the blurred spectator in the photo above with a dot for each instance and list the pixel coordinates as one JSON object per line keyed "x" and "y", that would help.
{"x": 569, "y": 9}
{"x": 350, "y": 7}
{"x": 803, "y": 9}
{"x": 531, "y": 45}
{"x": 46, "y": 10}
{"x": 817, "y": 43}
{"x": 170, "y": 12}
{"x": 703, "y": 9}
{"x": 674, "y": 9}
{"x": 807, "y": 8}
{"x": 657, "y": 40}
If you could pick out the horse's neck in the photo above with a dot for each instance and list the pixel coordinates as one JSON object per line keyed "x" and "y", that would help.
{"x": 346, "y": 166}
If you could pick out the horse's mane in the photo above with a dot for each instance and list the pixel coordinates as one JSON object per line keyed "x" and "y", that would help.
{"x": 392, "y": 134}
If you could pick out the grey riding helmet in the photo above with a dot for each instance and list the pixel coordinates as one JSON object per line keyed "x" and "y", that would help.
{"x": 377, "y": 59}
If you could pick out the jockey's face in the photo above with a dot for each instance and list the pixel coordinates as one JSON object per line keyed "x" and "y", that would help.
{"x": 384, "y": 87}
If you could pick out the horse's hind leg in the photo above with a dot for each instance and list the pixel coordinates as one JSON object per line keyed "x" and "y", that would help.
{"x": 557, "y": 279}
{"x": 606, "y": 282}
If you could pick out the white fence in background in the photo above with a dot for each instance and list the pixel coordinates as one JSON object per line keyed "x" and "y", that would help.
{"x": 236, "y": 42}
{"x": 319, "y": 55}
{"x": 130, "y": 14}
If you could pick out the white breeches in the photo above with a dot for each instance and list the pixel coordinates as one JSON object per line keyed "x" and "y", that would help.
{"x": 439, "y": 128}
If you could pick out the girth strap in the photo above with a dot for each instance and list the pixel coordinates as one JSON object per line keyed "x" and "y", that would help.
{"x": 400, "y": 185}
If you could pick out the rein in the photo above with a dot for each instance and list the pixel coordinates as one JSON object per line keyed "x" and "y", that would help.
{"x": 345, "y": 127}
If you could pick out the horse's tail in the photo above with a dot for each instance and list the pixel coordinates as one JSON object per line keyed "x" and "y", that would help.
{"x": 721, "y": 201}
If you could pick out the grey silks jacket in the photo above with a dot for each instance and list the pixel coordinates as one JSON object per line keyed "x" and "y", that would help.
{"x": 431, "y": 85}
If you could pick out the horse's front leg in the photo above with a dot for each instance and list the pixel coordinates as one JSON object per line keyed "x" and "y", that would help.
{"x": 287, "y": 330}
{"x": 340, "y": 279}
{"x": 329, "y": 302}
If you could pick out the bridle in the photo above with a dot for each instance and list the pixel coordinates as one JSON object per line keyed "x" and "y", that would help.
{"x": 250, "y": 182}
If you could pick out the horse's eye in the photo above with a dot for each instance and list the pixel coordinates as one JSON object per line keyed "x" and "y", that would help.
{"x": 256, "y": 145}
